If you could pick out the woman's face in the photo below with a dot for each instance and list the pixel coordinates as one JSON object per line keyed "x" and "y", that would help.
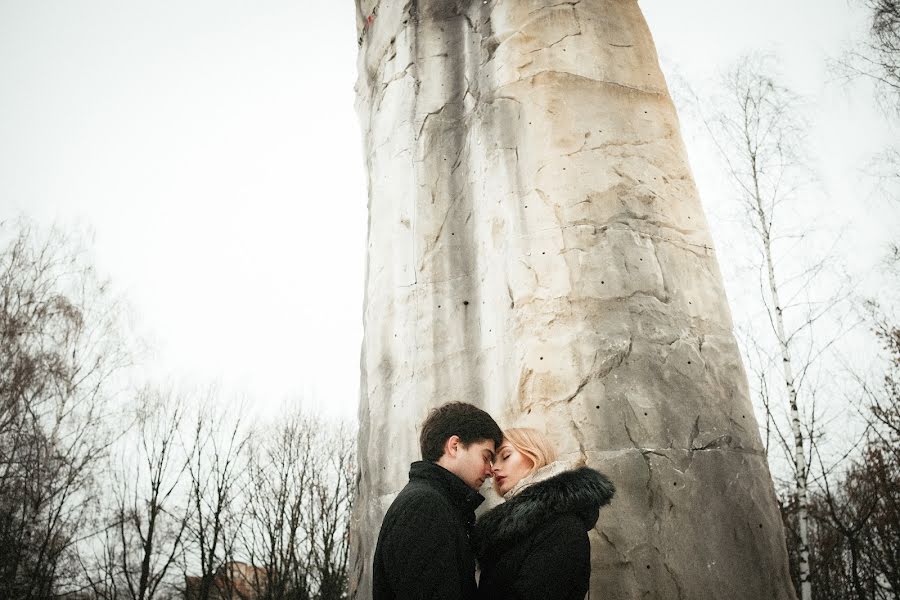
{"x": 510, "y": 466}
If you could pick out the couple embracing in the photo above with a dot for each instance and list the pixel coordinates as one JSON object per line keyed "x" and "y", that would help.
{"x": 533, "y": 546}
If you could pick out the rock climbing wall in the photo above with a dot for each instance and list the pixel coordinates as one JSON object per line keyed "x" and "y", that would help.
{"x": 537, "y": 247}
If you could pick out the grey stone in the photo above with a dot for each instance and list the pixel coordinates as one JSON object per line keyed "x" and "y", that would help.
{"x": 537, "y": 247}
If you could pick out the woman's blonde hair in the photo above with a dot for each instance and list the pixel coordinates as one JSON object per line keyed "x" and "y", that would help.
{"x": 533, "y": 444}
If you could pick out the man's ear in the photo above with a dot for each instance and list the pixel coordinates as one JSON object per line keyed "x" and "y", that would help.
{"x": 451, "y": 446}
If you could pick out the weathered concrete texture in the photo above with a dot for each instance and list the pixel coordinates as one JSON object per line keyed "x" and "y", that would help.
{"x": 537, "y": 247}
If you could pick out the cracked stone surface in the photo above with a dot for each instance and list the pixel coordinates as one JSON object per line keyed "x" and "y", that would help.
{"x": 537, "y": 246}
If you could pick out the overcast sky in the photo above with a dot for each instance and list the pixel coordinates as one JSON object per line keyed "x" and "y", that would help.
{"x": 213, "y": 149}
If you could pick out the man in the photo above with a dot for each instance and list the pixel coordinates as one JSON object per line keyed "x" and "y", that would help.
{"x": 423, "y": 550}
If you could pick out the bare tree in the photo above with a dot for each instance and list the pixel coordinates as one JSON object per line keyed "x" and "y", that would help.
{"x": 99, "y": 566}
{"x": 217, "y": 472}
{"x": 281, "y": 469}
{"x": 148, "y": 519}
{"x": 333, "y": 489}
{"x": 878, "y": 58}
{"x": 174, "y": 500}
{"x": 855, "y": 512}
{"x": 759, "y": 134}
{"x": 879, "y": 471}
{"x": 847, "y": 510}
{"x": 856, "y": 518}
{"x": 297, "y": 529}
{"x": 60, "y": 347}
{"x": 884, "y": 404}
{"x": 878, "y": 476}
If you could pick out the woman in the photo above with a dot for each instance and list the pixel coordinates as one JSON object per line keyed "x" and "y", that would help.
{"x": 535, "y": 545}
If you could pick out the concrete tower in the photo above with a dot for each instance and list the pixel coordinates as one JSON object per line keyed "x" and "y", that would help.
{"x": 537, "y": 247}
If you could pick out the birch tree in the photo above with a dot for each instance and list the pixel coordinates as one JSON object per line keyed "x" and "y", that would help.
{"x": 758, "y": 131}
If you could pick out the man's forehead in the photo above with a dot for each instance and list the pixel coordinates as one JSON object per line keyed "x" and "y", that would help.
{"x": 485, "y": 446}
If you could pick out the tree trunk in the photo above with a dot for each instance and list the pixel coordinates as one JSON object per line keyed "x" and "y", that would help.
{"x": 537, "y": 247}
{"x": 800, "y": 470}
{"x": 854, "y": 570}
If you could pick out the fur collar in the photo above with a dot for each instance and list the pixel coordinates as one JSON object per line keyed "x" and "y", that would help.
{"x": 542, "y": 474}
{"x": 581, "y": 492}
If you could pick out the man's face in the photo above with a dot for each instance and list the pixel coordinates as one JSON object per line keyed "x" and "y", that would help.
{"x": 471, "y": 463}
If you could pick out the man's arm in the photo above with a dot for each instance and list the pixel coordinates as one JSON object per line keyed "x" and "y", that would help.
{"x": 420, "y": 557}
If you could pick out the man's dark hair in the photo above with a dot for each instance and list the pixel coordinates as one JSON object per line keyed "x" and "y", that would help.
{"x": 469, "y": 422}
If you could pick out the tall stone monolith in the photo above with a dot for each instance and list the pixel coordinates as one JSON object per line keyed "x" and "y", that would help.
{"x": 537, "y": 247}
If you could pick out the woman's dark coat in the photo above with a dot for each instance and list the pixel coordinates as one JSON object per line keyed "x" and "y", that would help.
{"x": 535, "y": 546}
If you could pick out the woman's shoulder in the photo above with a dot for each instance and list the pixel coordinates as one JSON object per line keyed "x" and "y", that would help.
{"x": 569, "y": 499}
{"x": 562, "y": 525}
{"x": 570, "y": 490}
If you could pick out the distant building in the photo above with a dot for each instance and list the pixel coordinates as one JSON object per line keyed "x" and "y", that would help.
{"x": 232, "y": 581}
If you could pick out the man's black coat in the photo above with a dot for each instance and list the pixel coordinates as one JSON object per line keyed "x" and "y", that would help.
{"x": 423, "y": 550}
{"x": 535, "y": 546}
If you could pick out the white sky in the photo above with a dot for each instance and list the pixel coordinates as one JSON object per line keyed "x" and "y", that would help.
{"x": 213, "y": 149}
